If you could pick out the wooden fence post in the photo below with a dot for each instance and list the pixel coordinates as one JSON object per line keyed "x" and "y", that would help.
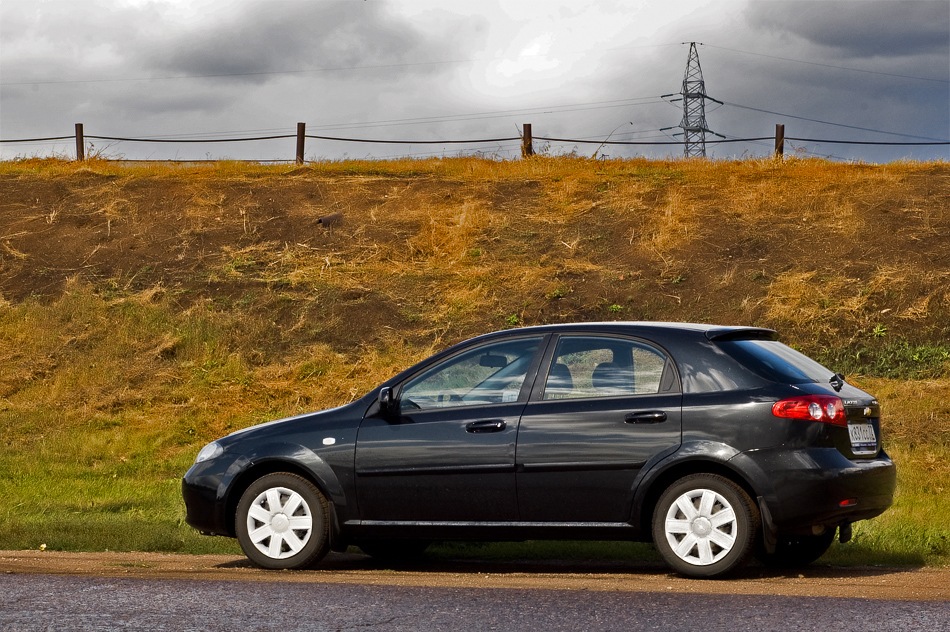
{"x": 80, "y": 144}
{"x": 527, "y": 148}
{"x": 779, "y": 140}
{"x": 301, "y": 135}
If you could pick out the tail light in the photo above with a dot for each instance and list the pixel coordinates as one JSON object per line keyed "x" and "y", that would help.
{"x": 826, "y": 409}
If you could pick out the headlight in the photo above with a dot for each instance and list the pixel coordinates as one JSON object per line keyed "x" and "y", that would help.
{"x": 210, "y": 451}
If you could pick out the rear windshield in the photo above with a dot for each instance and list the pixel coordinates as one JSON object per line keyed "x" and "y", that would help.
{"x": 775, "y": 361}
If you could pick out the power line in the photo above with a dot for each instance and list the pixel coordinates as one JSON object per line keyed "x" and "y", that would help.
{"x": 869, "y": 142}
{"x": 813, "y": 63}
{"x": 476, "y": 116}
{"x": 812, "y": 120}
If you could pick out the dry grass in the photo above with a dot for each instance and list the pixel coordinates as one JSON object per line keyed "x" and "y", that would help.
{"x": 802, "y": 245}
{"x": 147, "y": 308}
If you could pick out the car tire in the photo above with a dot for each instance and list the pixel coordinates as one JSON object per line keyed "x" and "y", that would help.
{"x": 796, "y": 551}
{"x": 705, "y": 525}
{"x": 282, "y": 522}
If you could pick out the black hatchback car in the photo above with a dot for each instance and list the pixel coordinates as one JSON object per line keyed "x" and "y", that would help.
{"x": 716, "y": 443}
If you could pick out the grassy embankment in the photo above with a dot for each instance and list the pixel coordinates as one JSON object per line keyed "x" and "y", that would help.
{"x": 147, "y": 310}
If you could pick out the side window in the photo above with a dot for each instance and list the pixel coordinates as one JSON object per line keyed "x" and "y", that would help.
{"x": 592, "y": 366}
{"x": 489, "y": 374}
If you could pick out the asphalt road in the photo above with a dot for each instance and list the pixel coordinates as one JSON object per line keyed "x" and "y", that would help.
{"x": 45, "y": 590}
{"x": 48, "y": 602}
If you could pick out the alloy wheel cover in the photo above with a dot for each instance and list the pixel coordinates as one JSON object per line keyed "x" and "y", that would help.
{"x": 279, "y": 523}
{"x": 701, "y": 527}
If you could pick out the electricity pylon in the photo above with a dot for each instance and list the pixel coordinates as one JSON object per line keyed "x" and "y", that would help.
{"x": 694, "y": 107}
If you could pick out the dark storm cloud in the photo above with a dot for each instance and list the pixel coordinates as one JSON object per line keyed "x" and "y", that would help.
{"x": 378, "y": 70}
{"x": 255, "y": 39}
{"x": 861, "y": 28}
{"x": 150, "y": 69}
{"x": 65, "y": 41}
{"x": 873, "y": 65}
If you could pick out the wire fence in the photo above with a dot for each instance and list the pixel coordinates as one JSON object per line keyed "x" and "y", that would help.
{"x": 526, "y": 139}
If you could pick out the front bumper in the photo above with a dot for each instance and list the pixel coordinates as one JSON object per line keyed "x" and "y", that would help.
{"x": 205, "y": 502}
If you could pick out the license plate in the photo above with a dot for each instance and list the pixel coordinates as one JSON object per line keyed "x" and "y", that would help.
{"x": 863, "y": 438}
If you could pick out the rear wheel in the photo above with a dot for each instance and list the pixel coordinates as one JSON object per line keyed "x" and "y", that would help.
{"x": 795, "y": 551}
{"x": 281, "y": 522}
{"x": 705, "y": 525}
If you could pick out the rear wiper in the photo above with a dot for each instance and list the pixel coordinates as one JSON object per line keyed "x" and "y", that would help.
{"x": 837, "y": 381}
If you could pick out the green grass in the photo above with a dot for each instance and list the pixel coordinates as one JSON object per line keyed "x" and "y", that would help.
{"x": 89, "y": 466}
{"x": 889, "y": 358}
{"x": 102, "y": 490}
{"x": 112, "y": 381}
{"x": 95, "y": 490}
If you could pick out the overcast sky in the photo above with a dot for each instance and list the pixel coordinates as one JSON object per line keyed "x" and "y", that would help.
{"x": 440, "y": 70}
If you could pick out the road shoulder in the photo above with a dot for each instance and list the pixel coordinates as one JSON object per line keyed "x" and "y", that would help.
{"x": 912, "y": 584}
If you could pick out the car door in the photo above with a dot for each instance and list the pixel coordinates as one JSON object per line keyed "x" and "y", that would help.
{"x": 605, "y": 407}
{"x": 449, "y": 453}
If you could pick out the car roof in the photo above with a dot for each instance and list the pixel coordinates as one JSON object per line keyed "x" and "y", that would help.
{"x": 712, "y": 332}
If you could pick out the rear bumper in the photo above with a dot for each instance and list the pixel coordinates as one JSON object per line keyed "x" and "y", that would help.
{"x": 821, "y": 487}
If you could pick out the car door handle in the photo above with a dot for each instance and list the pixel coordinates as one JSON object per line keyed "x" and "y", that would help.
{"x": 645, "y": 417}
{"x": 488, "y": 425}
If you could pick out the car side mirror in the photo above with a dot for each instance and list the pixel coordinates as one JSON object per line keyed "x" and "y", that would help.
{"x": 387, "y": 402}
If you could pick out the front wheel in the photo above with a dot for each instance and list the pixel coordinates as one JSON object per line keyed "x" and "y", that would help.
{"x": 282, "y": 522}
{"x": 705, "y": 525}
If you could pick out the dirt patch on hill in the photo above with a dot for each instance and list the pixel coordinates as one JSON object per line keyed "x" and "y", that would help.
{"x": 834, "y": 250}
